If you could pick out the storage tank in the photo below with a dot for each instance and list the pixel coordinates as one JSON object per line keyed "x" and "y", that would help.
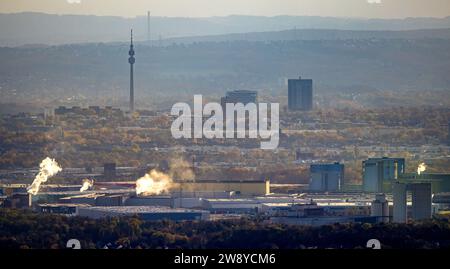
{"x": 380, "y": 208}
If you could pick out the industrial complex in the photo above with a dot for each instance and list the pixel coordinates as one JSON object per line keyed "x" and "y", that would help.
{"x": 387, "y": 195}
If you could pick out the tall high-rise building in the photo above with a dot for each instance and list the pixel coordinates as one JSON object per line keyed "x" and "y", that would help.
{"x": 326, "y": 177}
{"x": 378, "y": 172}
{"x": 131, "y": 61}
{"x": 300, "y": 94}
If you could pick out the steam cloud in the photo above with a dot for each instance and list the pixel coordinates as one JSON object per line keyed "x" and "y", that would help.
{"x": 74, "y": 1}
{"x": 153, "y": 183}
{"x": 87, "y": 184}
{"x": 374, "y": 2}
{"x": 48, "y": 168}
{"x": 422, "y": 167}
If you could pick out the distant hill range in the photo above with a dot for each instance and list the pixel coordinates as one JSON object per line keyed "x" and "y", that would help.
{"x": 313, "y": 34}
{"x": 38, "y": 28}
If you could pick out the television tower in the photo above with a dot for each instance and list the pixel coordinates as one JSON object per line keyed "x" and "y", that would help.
{"x": 131, "y": 60}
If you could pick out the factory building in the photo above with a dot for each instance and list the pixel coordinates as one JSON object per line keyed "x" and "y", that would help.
{"x": 232, "y": 206}
{"x": 109, "y": 170}
{"x": 421, "y": 201}
{"x": 448, "y": 134}
{"x": 300, "y": 94}
{"x": 2, "y": 200}
{"x": 259, "y": 204}
{"x": 110, "y": 200}
{"x": 88, "y": 199}
{"x": 316, "y": 214}
{"x": 380, "y": 208}
{"x": 18, "y": 200}
{"x": 320, "y": 221}
{"x": 95, "y": 199}
{"x": 203, "y": 194}
{"x": 63, "y": 209}
{"x": 379, "y": 173}
{"x": 148, "y": 213}
{"x": 10, "y": 189}
{"x": 442, "y": 201}
{"x": 326, "y": 177}
{"x": 153, "y": 200}
{"x": 244, "y": 188}
{"x": 440, "y": 183}
{"x": 189, "y": 203}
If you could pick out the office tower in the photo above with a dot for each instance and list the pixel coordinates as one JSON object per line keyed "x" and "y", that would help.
{"x": 378, "y": 172}
{"x": 131, "y": 60}
{"x": 300, "y": 94}
{"x": 326, "y": 177}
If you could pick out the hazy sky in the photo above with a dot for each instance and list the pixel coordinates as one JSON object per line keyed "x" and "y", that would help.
{"x": 205, "y": 8}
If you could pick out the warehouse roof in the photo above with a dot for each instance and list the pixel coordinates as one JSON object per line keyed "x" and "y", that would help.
{"x": 142, "y": 209}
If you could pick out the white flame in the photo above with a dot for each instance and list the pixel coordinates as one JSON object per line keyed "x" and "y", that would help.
{"x": 422, "y": 167}
{"x": 48, "y": 168}
{"x": 87, "y": 184}
{"x": 153, "y": 183}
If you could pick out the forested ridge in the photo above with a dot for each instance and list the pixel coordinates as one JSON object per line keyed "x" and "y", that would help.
{"x": 25, "y": 229}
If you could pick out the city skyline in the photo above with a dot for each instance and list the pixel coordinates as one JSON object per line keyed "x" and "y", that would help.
{"x": 208, "y": 8}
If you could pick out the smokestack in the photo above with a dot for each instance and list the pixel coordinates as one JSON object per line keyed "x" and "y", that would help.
{"x": 148, "y": 28}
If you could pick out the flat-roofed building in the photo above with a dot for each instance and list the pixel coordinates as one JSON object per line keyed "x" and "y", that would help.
{"x": 240, "y": 96}
{"x": 148, "y": 213}
{"x": 421, "y": 201}
{"x": 379, "y": 173}
{"x": 326, "y": 177}
{"x": 244, "y": 187}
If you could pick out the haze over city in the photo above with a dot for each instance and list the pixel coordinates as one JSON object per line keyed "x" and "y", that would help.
{"x": 225, "y": 124}
{"x": 208, "y": 8}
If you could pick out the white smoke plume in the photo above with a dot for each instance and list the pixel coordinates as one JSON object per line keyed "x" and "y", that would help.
{"x": 374, "y": 1}
{"x": 48, "y": 168}
{"x": 87, "y": 184}
{"x": 422, "y": 167}
{"x": 153, "y": 183}
{"x": 74, "y": 1}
